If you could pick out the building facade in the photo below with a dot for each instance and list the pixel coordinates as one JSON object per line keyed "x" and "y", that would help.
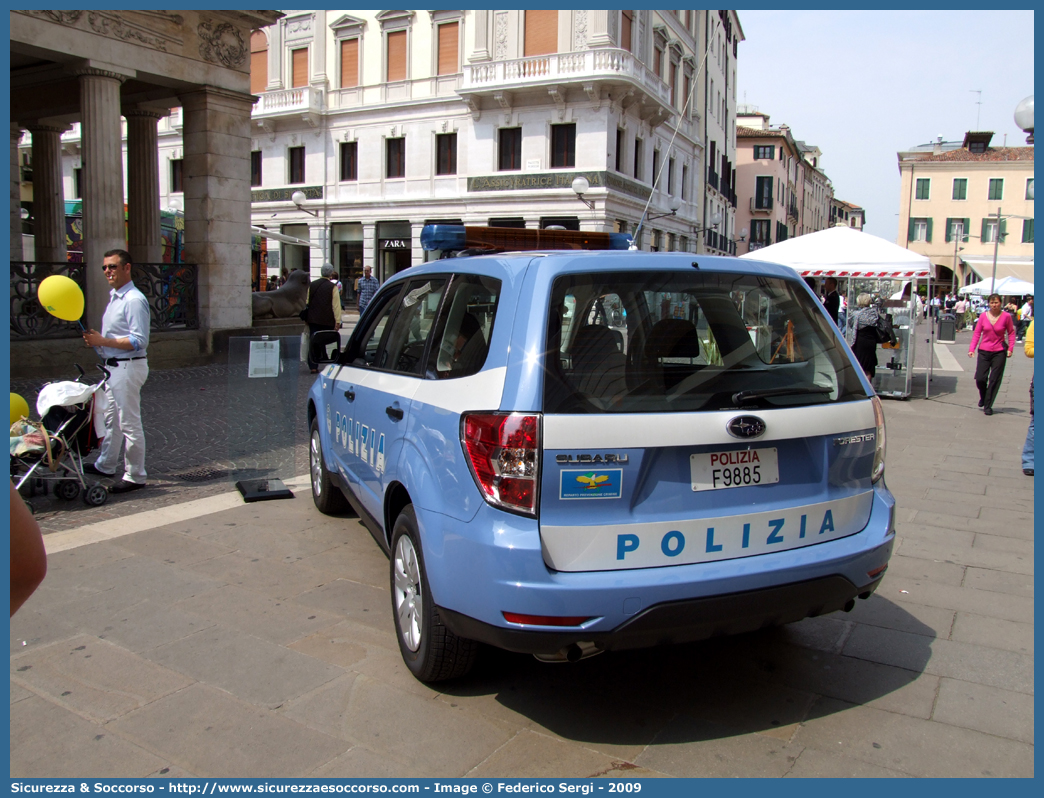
{"x": 389, "y": 120}
{"x": 782, "y": 190}
{"x": 949, "y": 198}
{"x": 847, "y": 214}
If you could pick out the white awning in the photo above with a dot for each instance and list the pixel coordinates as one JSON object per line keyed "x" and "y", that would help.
{"x": 1022, "y": 268}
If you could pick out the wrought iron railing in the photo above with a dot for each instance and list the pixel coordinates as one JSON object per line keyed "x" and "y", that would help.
{"x": 172, "y": 290}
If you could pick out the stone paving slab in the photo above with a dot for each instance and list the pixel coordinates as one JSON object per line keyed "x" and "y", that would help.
{"x": 1002, "y": 713}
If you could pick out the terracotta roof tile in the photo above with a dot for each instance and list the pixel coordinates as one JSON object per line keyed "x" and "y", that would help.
{"x": 991, "y": 154}
{"x": 756, "y": 133}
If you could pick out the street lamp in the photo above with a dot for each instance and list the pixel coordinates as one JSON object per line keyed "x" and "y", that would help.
{"x": 298, "y": 198}
{"x": 581, "y": 185}
{"x": 715, "y": 220}
{"x": 674, "y": 206}
{"x": 1024, "y": 117}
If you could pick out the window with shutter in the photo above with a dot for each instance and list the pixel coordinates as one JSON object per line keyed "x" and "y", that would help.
{"x": 563, "y": 146}
{"x": 967, "y": 229}
{"x": 396, "y": 161}
{"x": 258, "y": 62}
{"x": 349, "y": 63}
{"x": 299, "y": 67}
{"x": 1027, "y": 231}
{"x": 396, "y": 56}
{"x": 928, "y": 231}
{"x": 509, "y": 144}
{"x": 349, "y": 160}
{"x": 627, "y": 21}
{"x": 541, "y": 33}
{"x": 923, "y": 188}
{"x": 1029, "y": 188}
{"x": 446, "y": 154}
{"x": 960, "y": 188}
{"x": 297, "y": 164}
{"x": 448, "y": 35}
{"x": 996, "y": 188}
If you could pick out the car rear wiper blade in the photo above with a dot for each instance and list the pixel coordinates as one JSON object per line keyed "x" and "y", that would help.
{"x": 745, "y": 396}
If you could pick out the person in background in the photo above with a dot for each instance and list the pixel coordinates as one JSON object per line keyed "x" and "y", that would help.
{"x": 1027, "y": 448}
{"x": 960, "y": 310}
{"x": 324, "y": 308}
{"x": 122, "y": 343}
{"x": 1025, "y": 317}
{"x": 832, "y": 299}
{"x": 994, "y": 336}
{"x": 368, "y": 286}
{"x": 28, "y": 557}
{"x": 865, "y": 345}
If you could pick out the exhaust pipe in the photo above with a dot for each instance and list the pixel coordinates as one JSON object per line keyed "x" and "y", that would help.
{"x": 571, "y": 653}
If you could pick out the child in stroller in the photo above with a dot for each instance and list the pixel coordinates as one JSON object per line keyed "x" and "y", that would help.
{"x": 52, "y": 450}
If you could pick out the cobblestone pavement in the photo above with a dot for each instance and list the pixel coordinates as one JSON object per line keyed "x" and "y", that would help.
{"x": 199, "y": 427}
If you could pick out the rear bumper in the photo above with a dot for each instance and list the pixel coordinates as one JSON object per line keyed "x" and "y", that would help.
{"x": 683, "y": 621}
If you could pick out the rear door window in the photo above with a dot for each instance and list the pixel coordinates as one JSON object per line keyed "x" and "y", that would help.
{"x": 465, "y": 327}
{"x": 687, "y": 341}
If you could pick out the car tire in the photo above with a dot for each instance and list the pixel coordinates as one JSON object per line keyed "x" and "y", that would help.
{"x": 327, "y": 496}
{"x": 430, "y": 650}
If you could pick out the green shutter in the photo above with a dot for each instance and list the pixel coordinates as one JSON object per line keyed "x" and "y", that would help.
{"x": 949, "y": 230}
{"x": 910, "y": 230}
{"x": 967, "y": 231}
{"x": 985, "y": 230}
{"x": 1003, "y": 229}
{"x": 928, "y": 232}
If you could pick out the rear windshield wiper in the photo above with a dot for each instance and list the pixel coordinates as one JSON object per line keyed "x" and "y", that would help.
{"x": 745, "y": 396}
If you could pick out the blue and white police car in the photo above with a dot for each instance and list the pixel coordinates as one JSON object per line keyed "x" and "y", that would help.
{"x": 566, "y": 452}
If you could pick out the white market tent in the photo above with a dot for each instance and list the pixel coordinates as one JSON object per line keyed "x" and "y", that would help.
{"x": 843, "y": 252}
{"x": 1009, "y": 286}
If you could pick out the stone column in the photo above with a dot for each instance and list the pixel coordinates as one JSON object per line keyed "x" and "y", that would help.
{"x": 481, "y": 22}
{"x": 217, "y": 204}
{"x": 317, "y": 51}
{"x": 102, "y": 154}
{"x": 319, "y": 252}
{"x": 275, "y": 57}
{"x": 370, "y": 249}
{"x": 48, "y": 194}
{"x": 143, "y": 212}
{"x": 598, "y": 28}
{"x": 16, "y": 195}
{"x": 416, "y": 250}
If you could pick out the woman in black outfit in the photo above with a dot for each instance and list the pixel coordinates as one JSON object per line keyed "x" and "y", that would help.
{"x": 865, "y": 346}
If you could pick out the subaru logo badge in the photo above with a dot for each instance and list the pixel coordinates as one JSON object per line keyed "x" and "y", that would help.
{"x": 746, "y": 427}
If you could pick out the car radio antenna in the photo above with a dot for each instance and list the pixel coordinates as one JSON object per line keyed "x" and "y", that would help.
{"x": 636, "y": 241}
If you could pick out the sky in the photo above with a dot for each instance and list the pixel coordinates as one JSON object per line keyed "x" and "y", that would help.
{"x": 863, "y": 85}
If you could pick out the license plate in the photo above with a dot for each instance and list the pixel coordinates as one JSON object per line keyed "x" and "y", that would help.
{"x": 717, "y": 470}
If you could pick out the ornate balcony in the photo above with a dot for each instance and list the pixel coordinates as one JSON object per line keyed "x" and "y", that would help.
{"x": 623, "y": 77}
{"x": 305, "y": 102}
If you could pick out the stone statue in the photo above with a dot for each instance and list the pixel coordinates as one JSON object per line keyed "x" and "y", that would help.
{"x": 285, "y": 302}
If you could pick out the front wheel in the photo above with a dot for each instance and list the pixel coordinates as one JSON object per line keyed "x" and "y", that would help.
{"x": 95, "y": 496}
{"x": 430, "y": 650}
{"x": 327, "y": 496}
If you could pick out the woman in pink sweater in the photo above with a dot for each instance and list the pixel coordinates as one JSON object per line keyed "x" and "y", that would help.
{"x": 995, "y": 337}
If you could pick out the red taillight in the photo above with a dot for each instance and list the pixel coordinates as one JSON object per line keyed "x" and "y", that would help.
{"x": 503, "y": 450}
{"x": 545, "y": 620}
{"x": 877, "y": 571}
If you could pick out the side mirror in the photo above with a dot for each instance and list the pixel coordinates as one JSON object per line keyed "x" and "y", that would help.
{"x": 325, "y": 346}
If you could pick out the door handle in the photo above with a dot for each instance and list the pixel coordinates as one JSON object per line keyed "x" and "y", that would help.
{"x": 394, "y": 413}
{"x": 349, "y": 395}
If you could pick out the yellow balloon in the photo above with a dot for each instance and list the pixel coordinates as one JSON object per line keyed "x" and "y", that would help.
{"x": 19, "y": 408}
{"x": 61, "y": 296}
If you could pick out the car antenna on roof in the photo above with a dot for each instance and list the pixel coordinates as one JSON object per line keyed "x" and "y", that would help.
{"x": 635, "y": 241}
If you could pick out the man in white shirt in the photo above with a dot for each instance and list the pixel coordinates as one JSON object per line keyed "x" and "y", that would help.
{"x": 122, "y": 343}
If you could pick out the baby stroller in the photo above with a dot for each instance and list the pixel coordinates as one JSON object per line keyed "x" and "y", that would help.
{"x": 52, "y": 451}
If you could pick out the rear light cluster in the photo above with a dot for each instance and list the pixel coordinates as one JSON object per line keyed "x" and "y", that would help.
{"x": 503, "y": 452}
{"x": 545, "y": 620}
{"x": 879, "y": 441}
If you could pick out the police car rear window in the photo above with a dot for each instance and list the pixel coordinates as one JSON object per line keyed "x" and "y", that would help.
{"x": 686, "y": 341}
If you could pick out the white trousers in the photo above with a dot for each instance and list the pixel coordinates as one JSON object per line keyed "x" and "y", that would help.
{"x": 123, "y": 420}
